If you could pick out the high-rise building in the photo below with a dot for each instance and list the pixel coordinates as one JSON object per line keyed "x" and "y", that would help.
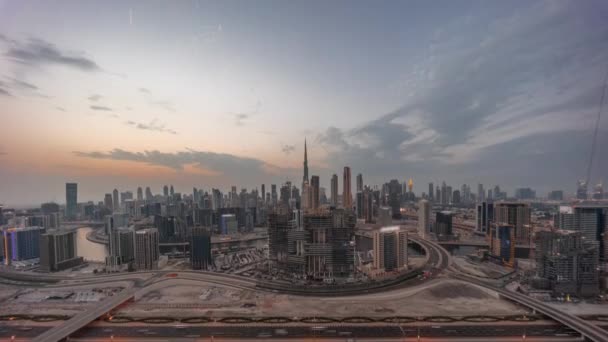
{"x": 21, "y": 243}
{"x": 484, "y": 215}
{"x": 305, "y": 164}
{"x": 581, "y": 190}
{"x": 565, "y": 264}
{"x": 58, "y": 251}
{"x": 107, "y": 202}
{"x": 314, "y": 190}
{"x": 149, "y": 195}
{"x": 71, "y": 200}
{"x": 347, "y": 197}
{"x": 359, "y": 182}
{"x": 516, "y": 215}
{"x": 116, "y": 220}
{"x": 320, "y": 244}
{"x": 556, "y": 195}
{"x": 437, "y": 195}
{"x": 444, "y": 193}
{"x": 146, "y": 249}
{"x": 424, "y": 214}
{"x": 263, "y": 193}
{"x": 140, "y": 194}
{"x": 394, "y": 197}
{"x": 200, "y": 248}
{"x": 229, "y": 224}
{"x": 590, "y": 220}
{"x": 456, "y": 199}
{"x": 525, "y": 193}
{"x": 115, "y": 200}
{"x": 334, "y": 190}
{"x": 171, "y": 191}
{"x": 502, "y": 243}
{"x": 390, "y": 249}
{"x": 598, "y": 191}
{"x": 443, "y": 225}
{"x": 481, "y": 196}
{"x": 121, "y": 248}
{"x": 431, "y": 192}
{"x": 273, "y": 194}
{"x": 166, "y": 191}
{"x": 385, "y": 216}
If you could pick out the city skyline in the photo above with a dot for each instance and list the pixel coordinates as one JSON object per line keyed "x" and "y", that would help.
{"x": 214, "y": 97}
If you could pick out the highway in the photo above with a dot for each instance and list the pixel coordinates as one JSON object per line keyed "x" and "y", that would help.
{"x": 438, "y": 261}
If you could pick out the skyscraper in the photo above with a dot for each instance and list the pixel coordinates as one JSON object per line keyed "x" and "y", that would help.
{"x": 480, "y": 193}
{"x": 140, "y": 194}
{"x": 581, "y": 190}
{"x": 305, "y": 176}
{"x": 431, "y": 192}
{"x": 347, "y": 197}
{"x": 484, "y": 215}
{"x": 121, "y": 248}
{"x": 424, "y": 213}
{"x": 146, "y": 249}
{"x": 171, "y": 191}
{"x": 443, "y": 224}
{"x": 115, "y": 200}
{"x": 314, "y": 190}
{"x": 166, "y": 191}
{"x": 390, "y": 249}
{"x": 200, "y": 248}
{"x": 359, "y": 182}
{"x": 148, "y": 194}
{"x": 71, "y": 200}
{"x": 58, "y": 251}
{"x": 516, "y": 215}
{"x": 334, "y": 190}
{"x": 263, "y": 193}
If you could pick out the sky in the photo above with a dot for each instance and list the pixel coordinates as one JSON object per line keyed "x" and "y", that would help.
{"x": 121, "y": 94}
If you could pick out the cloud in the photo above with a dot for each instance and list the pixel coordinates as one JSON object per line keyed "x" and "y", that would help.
{"x": 94, "y": 97}
{"x": 152, "y": 126}
{"x": 240, "y": 118}
{"x": 39, "y": 52}
{"x": 287, "y": 149}
{"x": 488, "y": 83}
{"x": 102, "y": 108}
{"x": 4, "y": 92}
{"x": 61, "y": 109}
{"x": 220, "y": 164}
{"x": 166, "y": 105}
{"x": 23, "y": 84}
{"x": 144, "y": 90}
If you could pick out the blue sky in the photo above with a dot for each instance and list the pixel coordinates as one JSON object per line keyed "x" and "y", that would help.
{"x": 209, "y": 94}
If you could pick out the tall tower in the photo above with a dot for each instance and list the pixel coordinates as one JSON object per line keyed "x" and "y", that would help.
{"x": 347, "y": 198}
{"x": 305, "y": 178}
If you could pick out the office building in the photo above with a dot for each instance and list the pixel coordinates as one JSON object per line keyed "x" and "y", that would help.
{"x": 480, "y": 193}
{"x": 443, "y": 225}
{"x": 146, "y": 249}
{"x": 502, "y": 243}
{"x": 581, "y": 190}
{"x": 166, "y": 191}
{"x": 320, "y": 245}
{"x": 71, "y": 200}
{"x": 347, "y": 197}
{"x": 359, "y": 182}
{"x": 200, "y": 248}
{"x": 431, "y": 192}
{"x": 334, "y": 190}
{"x": 565, "y": 264}
{"x": 424, "y": 214}
{"x": 518, "y": 216}
{"x": 590, "y": 220}
{"x": 525, "y": 194}
{"x": 390, "y": 249}
{"x": 394, "y": 197}
{"x": 115, "y": 200}
{"x": 484, "y": 215}
{"x": 140, "y": 194}
{"x": 556, "y": 195}
{"x": 21, "y": 243}
{"x": 121, "y": 248}
{"x": 229, "y": 224}
{"x": 116, "y": 220}
{"x": 385, "y": 216}
{"x": 314, "y": 190}
{"x": 58, "y": 251}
